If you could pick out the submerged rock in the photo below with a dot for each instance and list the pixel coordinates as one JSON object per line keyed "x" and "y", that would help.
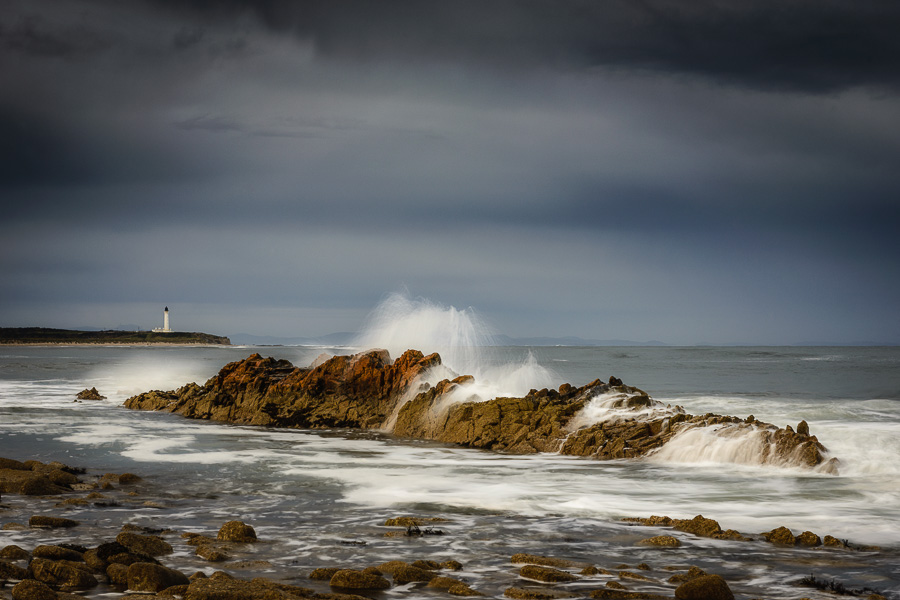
{"x": 368, "y": 390}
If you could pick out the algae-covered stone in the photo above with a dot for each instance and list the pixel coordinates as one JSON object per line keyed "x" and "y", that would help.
{"x": 546, "y": 574}
{"x": 359, "y": 580}
{"x": 45, "y": 522}
{"x": 150, "y": 577}
{"x": 63, "y": 574}
{"x": 149, "y": 545}
{"x": 13, "y": 552}
{"x": 707, "y": 587}
{"x": 781, "y": 536}
{"x": 31, "y": 589}
{"x": 664, "y": 541}
{"x": 11, "y": 571}
{"x": 236, "y": 531}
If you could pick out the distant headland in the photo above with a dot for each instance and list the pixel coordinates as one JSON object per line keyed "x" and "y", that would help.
{"x": 44, "y": 335}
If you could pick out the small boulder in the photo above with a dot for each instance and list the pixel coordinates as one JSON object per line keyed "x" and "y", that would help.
{"x": 63, "y": 574}
{"x": 13, "y": 552}
{"x": 707, "y": 587}
{"x": 149, "y": 545}
{"x": 664, "y": 541}
{"x": 45, "y": 522}
{"x": 699, "y": 525}
{"x": 57, "y": 553}
{"x": 803, "y": 428}
{"x": 546, "y": 561}
{"x": 323, "y": 574}
{"x": 781, "y": 536}
{"x": 236, "y": 531}
{"x": 117, "y": 574}
{"x": 210, "y": 554}
{"x": 808, "y": 538}
{"x": 358, "y": 580}
{"x": 31, "y": 589}
{"x": 546, "y": 574}
{"x": 149, "y": 577}
{"x": 11, "y": 571}
{"x": 40, "y": 485}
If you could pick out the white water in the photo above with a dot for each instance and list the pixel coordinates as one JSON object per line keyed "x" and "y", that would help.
{"x": 462, "y": 338}
{"x": 340, "y": 478}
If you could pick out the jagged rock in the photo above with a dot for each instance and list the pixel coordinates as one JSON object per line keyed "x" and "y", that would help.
{"x": 546, "y": 574}
{"x": 91, "y": 394}
{"x": 699, "y": 525}
{"x": 368, "y": 390}
{"x": 665, "y": 541}
{"x": 705, "y": 587}
{"x": 359, "y": 580}
{"x": 150, "y": 577}
{"x": 236, "y": 531}
{"x": 63, "y": 574}
{"x": 31, "y": 589}
{"x": 149, "y": 545}
{"x": 45, "y": 522}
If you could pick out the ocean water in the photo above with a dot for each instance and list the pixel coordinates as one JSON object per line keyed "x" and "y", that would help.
{"x": 319, "y": 498}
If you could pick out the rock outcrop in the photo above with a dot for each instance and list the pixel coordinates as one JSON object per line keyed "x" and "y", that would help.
{"x": 370, "y": 391}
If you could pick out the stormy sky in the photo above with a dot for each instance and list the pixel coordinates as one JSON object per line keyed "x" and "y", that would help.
{"x": 692, "y": 172}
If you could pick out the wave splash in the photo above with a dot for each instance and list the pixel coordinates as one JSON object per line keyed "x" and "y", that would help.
{"x": 463, "y": 339}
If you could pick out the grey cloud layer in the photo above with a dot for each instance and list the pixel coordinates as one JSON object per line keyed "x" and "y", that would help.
{"x": 682, "y": 171}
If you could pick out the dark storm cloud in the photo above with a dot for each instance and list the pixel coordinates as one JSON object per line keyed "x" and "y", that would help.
{"x": 680, "y": 171}
{"x": 809, "y": 45}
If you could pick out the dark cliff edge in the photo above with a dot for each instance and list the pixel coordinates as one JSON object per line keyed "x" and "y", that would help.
{"x": 44, "y": 335}
{"x": 601, "y": 420}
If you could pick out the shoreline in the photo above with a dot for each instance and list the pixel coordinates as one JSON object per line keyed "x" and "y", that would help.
{"x": 92, "y": 513}
{"x": 117, "y": 344}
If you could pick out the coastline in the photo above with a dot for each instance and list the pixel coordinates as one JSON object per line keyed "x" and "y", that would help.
{"x": 116, "y": 344}
{"x": 117, "y": 526}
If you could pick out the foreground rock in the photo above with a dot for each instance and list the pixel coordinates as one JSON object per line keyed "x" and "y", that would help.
{"x": 368, "y": 390}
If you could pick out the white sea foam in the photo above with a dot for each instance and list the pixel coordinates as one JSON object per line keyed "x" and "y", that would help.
{"x": 463, "y": 340}
{"x": 613, "y": 406}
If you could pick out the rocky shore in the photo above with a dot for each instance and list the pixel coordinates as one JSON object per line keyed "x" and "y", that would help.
{"x": 68, "y": 559}
{"x": 370, "y": 391}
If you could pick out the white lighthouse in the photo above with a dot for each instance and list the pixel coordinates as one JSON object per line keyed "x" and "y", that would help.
{"x": 165, "y": 328}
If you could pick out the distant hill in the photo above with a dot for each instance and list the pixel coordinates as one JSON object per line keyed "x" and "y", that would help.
{"x": 44, "y": 335}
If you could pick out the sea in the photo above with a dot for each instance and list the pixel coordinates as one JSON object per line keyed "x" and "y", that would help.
{"x": 319, "y": 498}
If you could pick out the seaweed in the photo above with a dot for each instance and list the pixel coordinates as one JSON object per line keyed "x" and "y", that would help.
{"x": 834, "y": 586}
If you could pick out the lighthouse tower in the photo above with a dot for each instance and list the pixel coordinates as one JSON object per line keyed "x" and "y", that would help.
{"x": 165, "y": 328}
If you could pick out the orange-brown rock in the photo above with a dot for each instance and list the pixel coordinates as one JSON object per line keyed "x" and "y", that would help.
{"x": 368, "y": 390}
